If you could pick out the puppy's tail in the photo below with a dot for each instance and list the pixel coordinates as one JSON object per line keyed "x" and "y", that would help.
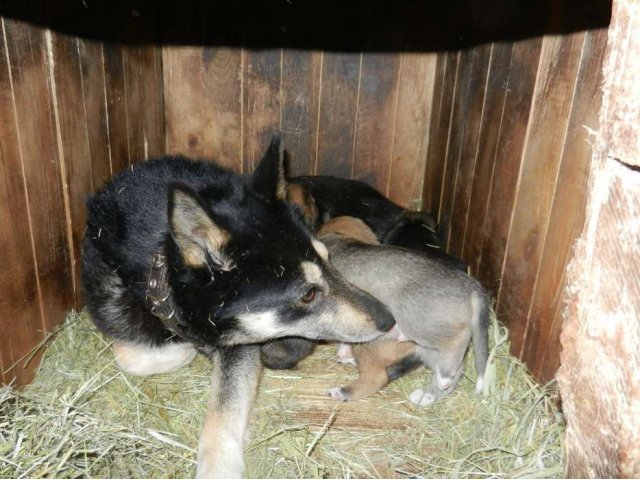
{"x": 480, "y": 334}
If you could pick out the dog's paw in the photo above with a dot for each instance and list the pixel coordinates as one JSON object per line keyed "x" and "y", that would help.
{"x": 345, "y": 355}
{"x": 338, "y": 394}
{"x": 421, "y": 398}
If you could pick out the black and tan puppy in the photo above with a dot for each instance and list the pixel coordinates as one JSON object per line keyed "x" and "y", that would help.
{"x": 180, "y": 255}
{"x": 436, "y": 306}
{"x": 392, "y": 225}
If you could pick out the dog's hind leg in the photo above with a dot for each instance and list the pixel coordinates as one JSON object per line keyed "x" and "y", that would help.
{"x": 144, "y": 360}
{"x": 236, "y": 373}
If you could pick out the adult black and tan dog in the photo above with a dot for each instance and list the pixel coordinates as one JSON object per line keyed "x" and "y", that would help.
{"x": 182, "y": 255}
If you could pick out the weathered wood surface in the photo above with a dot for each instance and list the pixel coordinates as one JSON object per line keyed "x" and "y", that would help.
{"x": 73, "y": 111}
{"x": 599, "y": 378}
{"x": 506, "y": 169}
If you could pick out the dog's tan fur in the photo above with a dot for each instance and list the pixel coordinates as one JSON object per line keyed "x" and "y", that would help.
{"x": 349, "y": 227}
{"x": 373, "y": 360}
{"x": 302, "y": 198}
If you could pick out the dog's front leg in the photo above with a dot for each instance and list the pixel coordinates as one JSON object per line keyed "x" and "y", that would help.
{"x": 236, "y": 373}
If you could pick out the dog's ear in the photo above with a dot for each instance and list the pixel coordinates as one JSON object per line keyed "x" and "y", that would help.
{"x": 270, "y": 177}
{"x": 301, "y": 198}
{"x": 199, "y": 239}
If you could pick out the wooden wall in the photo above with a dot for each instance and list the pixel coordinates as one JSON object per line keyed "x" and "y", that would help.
{"x": 493, "y": 127}
{"x": 72, "y": 112}
{"x": 507, "y": 168}
{"x": 355, "y": 115}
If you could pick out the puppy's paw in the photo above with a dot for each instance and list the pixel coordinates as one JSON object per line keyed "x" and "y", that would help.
{"x": 445, "y": 382}
{"x": 421, "y": 398}
{"x": 345, "y": 355}
{"x": 338, "y": 394}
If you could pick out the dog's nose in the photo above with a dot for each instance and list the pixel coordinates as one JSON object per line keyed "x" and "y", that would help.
{"x": 384, "y": 319}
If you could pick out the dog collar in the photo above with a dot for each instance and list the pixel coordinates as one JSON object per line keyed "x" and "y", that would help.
{"x": 161, "y": 302}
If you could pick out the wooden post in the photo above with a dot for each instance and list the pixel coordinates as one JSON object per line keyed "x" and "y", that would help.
{"x": 599, "y": 378}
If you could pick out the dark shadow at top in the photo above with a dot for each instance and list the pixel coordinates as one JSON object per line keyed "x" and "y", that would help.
{"x": 345, "y": 25}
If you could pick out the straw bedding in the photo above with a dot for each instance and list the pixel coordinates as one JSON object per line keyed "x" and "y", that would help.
{"x": 82, "y": 417}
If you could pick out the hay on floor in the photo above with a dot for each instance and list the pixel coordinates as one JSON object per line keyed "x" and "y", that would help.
{"x": 82, "y": 417}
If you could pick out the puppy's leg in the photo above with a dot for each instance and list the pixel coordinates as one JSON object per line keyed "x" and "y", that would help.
{"x": 345, "y": 355}
{"x": 236, "y": 373}
{"x": 143, "y": 360}
{"x": 367, "y": 383}
{"x": 371, "y": 361}
{"x": 447, "y": 366}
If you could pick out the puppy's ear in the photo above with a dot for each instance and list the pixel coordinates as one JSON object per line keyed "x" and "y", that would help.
{"x": 270, "y": 178}
{"x": 199, "y": 239}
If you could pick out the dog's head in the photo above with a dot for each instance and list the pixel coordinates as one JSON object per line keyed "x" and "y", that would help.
{"x": 246, "y": 269}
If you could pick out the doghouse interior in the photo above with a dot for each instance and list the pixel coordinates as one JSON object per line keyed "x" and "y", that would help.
{"x": 477, "y": 112}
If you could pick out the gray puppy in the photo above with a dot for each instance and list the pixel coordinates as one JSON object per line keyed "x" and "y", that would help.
{"x": 436, "y": 306}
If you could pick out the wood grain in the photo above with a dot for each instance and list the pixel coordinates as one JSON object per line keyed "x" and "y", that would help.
{"x": 458, "y": 125}
{"x": 261, "y": 102}
{"x": 38, "y": 146}
{"x": 439, "y": 130}
{"x": 183, "y": 86}
{"x": 300, "y": 102}
{"x": 338, "y": 113}
{"x": 222, "y": 105}
{"x": 73, "y": 139}
{"x": 551, "y": 104}
{"x": 492, "y": 121}
{"x": 116, "y": 107}
{"x": 522, "y": 77}
{"x": 475, "y": 71}
{"x": 412, "y": 128}
{"x": 20, "y": 303}
{"x": 375, "y": 128}
{"x": 93, "y": 79}
{"x": 542, "y": 345}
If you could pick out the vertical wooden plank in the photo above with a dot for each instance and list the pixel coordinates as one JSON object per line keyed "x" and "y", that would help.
{"x": 93, "y": 81}
{"x": 183, "y": 100}
{"x": 546, "y": 132}
{"x": 116, "y": 106}
{"x": 542, "y": 345}
{"x": 412, "y": 127}
{"x": 300, "y": 102}
{"x": 222, "y": 102}
{"x": 146, "y": 19}
{"x": 487, "y": 151}
{"x": 522, "y": 77}
{"x": 436, "y": 159}
{"x": 150, "y": 79}
{"x": 20, "y": 301}
{"x": 261, "y": 102}
{"x": 375, "y": 127}
{"x": 457, "y": 129}
{"x": 28, "y": 60}
{"x": 73, "y": 138}
{"x": 143, "y": 78}
{"x": 473, "y": 105}
{"x": 338, "y": 113}
{"x": 183, "y": 86}
{"x": 433, "y": 161}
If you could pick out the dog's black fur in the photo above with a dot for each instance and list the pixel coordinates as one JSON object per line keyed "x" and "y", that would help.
{"x": 392, "y": 224}
{"x": 242, "y": 266}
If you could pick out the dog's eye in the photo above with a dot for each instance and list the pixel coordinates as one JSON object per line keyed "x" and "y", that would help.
{"x": 310, "y": 295}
